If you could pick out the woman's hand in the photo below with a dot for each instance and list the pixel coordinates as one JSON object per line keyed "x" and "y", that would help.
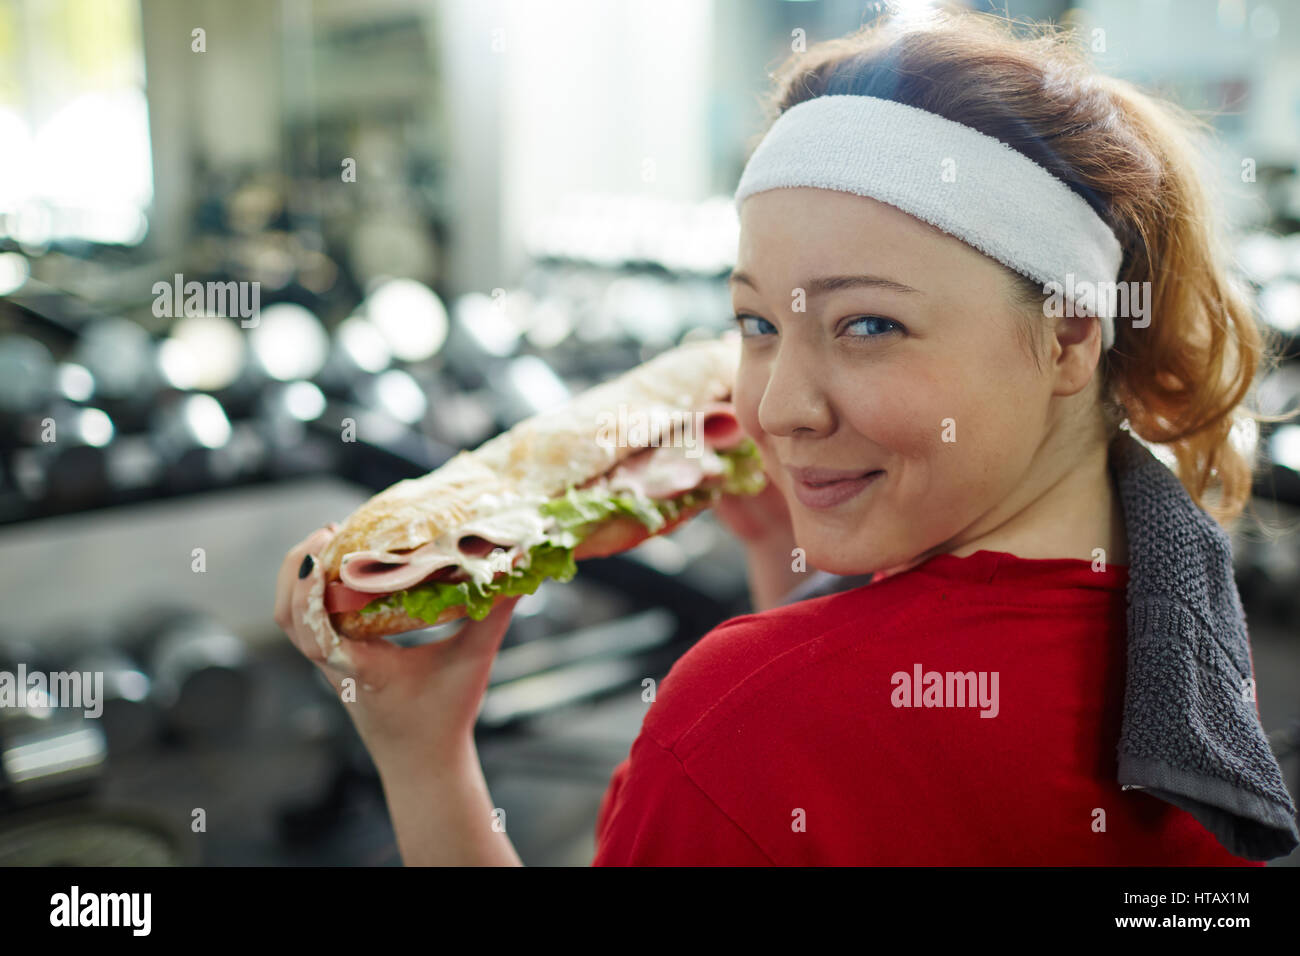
{"x": 407, "y": 703}
{"x": 757, "y": 519}
{"x": 762, "y": 523}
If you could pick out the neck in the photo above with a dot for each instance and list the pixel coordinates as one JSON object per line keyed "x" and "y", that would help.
{"x": 1070, "y": 515}
{"x": 1073, "y": 513}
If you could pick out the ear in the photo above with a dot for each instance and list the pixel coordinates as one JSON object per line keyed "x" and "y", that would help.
{"x": 1075, "y": 352}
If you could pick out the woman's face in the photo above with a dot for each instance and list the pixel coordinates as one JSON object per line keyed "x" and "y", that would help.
{"x": 929, "y": 386}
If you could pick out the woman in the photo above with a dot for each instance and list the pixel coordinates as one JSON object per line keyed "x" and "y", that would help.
{"x": 945, "y": 431}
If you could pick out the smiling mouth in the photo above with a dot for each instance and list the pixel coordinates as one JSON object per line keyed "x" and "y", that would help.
{"x": 825, "y": 484}
{"x": 832, "y": 494}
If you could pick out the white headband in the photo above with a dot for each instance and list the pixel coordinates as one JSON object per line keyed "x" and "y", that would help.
{"x": 968, "y": 184}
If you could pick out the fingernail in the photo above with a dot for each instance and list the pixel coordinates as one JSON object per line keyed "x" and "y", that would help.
{"x": 306, "y": 567}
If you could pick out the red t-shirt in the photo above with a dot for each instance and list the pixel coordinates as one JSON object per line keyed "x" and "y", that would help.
{"x": 782, "y": 737}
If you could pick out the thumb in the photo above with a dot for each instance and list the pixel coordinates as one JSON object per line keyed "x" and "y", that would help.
{"x": 483, "y": 638}
{"x": 371, "y": 664}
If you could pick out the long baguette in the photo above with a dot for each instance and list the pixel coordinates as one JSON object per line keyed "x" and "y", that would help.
{"x": 539, "y": 458}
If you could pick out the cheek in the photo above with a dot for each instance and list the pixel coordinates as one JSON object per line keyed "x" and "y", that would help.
{"x": 967, "y": 437}
{"x": 928, "y": 406}
{"x": 993, "y": 417}
{"x": 899, "y": 413}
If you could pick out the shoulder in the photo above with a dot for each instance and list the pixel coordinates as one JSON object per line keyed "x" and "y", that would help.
{"x": 735, "y": 661}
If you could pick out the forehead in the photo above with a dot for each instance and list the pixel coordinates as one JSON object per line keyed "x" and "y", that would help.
{"x": 807, "y": 231}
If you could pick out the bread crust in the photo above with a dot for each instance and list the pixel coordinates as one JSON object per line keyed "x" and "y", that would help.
{"x": 540, "y": 457}
{"x": 368, "y": 627}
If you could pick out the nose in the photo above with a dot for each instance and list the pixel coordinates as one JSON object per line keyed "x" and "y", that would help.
{"x": 793, "y": 399}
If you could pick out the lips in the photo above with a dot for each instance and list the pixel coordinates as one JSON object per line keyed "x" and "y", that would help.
{"x": 828, "y": 494}
{"x": 822, "y": 476}
{"x": 823, "y": 482}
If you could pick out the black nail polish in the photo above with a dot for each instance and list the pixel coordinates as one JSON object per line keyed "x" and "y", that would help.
{"x": 306, "y": 567}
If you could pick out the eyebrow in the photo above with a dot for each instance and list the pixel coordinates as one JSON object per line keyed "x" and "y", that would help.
{"x": 824, "y": 284}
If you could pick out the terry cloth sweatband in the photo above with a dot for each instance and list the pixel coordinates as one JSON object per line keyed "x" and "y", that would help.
{"x": 970, "y": 185}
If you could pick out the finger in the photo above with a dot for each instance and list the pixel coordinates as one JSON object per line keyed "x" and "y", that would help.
{"x": 372, "y": 665}
{"x": 287, "y": 575}
{"x": 770, "y": 509}
{"x": 284, "y": 579}
{"x": 294, "y": 590}
{"x": 483, "y": 638}
{"x": 289, "y": 570}
{"x": 743, "y": 515}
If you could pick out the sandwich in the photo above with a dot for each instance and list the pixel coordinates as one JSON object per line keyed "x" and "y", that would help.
{"x": 621, "y": 462}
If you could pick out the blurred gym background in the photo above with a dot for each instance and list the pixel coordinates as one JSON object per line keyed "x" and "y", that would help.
{"x": 455, "y": 214}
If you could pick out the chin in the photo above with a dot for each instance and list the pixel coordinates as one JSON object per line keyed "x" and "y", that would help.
{"x": 835, "y": 561}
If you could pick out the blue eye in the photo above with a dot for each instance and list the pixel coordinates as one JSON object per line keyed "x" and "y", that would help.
{"x": 757, "y": 331}
{"x": 740, "y": 320}
{"x": 877, "y": 318}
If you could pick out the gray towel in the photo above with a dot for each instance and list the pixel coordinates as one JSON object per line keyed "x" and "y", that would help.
{"x": 1190, "y": 733}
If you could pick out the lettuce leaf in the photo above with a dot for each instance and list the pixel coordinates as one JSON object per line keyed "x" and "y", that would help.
{"x": 744, "y": 469}
{"x": 577, "y": 508}
{"x": 426, "y": 602}
{"x": 577, "y": 513}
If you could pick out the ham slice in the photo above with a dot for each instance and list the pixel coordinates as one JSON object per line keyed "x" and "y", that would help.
{"x": 721, "y": 426}
{"x": 668, "y": 471}
{"x": 382, "y": 572}
{"x": 663, "y": 473}
{"x": 339, "y": 598}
